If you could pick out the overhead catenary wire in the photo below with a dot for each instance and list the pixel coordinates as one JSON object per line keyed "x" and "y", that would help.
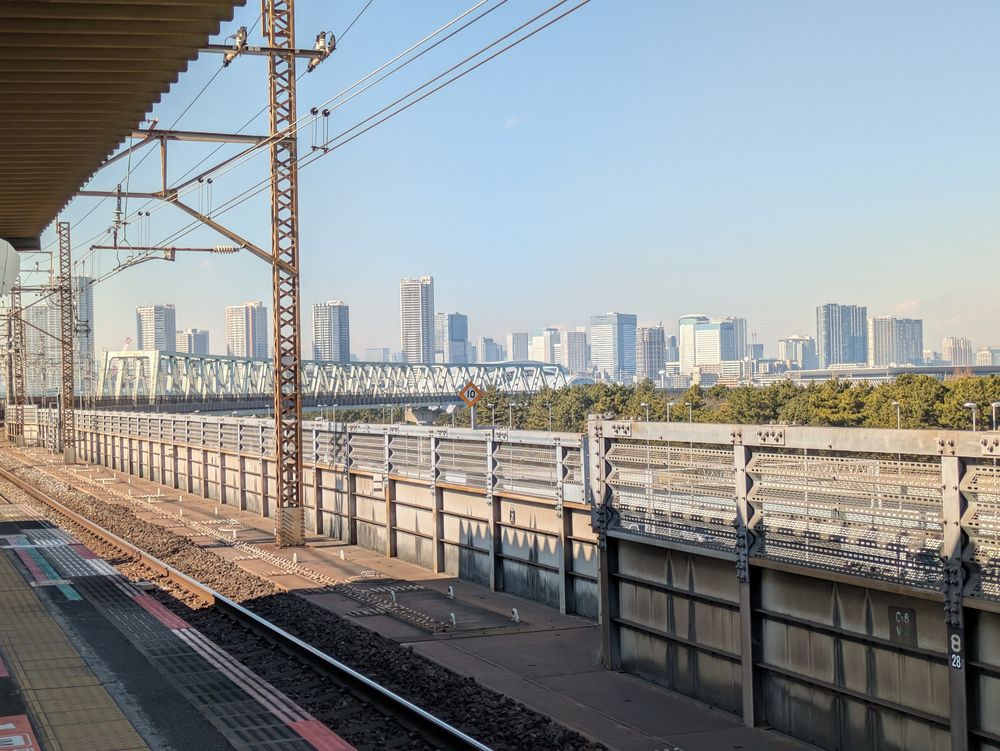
{"x": 314, "y": 156}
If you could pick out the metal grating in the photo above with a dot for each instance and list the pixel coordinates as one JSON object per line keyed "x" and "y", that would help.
{"x": 526, "y": 469}
{"x": 368, "y": 452}
{"x": 410, "y": 456}
{"x": 677, "y": 492}
{"x": 462, "y": 462}
{"x": 866, "y": 517}
{"x": 981, "y": 522}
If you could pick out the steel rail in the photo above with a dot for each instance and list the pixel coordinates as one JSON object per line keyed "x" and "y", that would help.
{"x": 433, "y": 729}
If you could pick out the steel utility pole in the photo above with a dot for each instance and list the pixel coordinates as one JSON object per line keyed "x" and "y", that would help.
{"x": 67, "y": 427}
{"x": 280, "y": 32}
{"x": 17, "y": 362}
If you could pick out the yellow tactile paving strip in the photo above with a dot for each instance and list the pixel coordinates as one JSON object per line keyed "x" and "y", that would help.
{"x": 70, "y": 708}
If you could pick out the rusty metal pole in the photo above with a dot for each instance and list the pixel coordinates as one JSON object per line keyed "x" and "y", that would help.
{"x": 67, "y": 426}
{"x": 280, "y": 20}
{"x": 17, "y": 362}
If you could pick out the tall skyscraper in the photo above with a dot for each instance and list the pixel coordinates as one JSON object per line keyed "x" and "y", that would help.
{"x": 799, "y": 351}
{"x": 957, "y": 350}
{"x": 247, "y": 331}
{"x": 671, "y": 352}
{"x": 488, "y": 350}
{"x": 84, "y": 356}
{"x": 192, "y": 341}
{"x": 650, "y": 355}
{"x": 156, "y": 327}
{"x": 331, "y": 330}
{"x": 612, "y": 345}
{"x": 988, "y": 356}
{"x": 42, "y": 354}
{"x": 574, "y": 352}
{"x": 544, "y": 345}
{"x": 451, "y": 338}
{"x": 708, "y": 342}
{"x": 416, "y": 319}
{"x": 517, "y": 346}
{"x": 841, "y": 334}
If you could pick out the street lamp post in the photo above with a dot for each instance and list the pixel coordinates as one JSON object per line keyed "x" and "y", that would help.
{"x": 895, "y": 403}
{"x": 690, "y": 411}
{"x": 974, "y": 408}
{"x": 493, "y": 413}
{"x": 510, "y": 415}
{"x": 645, "y": 406}
{"x": 549, "y": 405}
{"x": 994, "y": 406}
{"x": 669, "y": 405}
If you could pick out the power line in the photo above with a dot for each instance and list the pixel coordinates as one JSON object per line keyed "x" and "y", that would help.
{"x": 351, "y": 24}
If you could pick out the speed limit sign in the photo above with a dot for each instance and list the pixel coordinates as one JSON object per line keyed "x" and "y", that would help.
{"x": 470, "y": 394}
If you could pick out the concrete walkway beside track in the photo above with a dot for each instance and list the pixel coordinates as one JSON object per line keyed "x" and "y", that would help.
{"x": 91, "y": 662}
{"x": 548, "y": 661}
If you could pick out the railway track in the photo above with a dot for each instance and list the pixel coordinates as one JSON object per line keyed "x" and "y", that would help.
{"x": 420, "y": 728}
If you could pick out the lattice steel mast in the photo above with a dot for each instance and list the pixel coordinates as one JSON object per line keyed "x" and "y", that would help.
{"x": 280, "y": 31}
{"x": 67, "y": 428}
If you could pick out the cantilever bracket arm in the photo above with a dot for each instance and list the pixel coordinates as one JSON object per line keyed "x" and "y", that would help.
{"x": 251, "y": 49}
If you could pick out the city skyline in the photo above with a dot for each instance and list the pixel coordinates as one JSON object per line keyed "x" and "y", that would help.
{"x": 750, "y": 196}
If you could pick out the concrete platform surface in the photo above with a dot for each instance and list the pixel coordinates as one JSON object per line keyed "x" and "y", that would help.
{"x": 548, "y": 661}
{"x": 90, "y": 662}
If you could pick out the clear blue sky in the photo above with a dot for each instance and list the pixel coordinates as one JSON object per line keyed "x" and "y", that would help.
{"x": 641, "y": 155}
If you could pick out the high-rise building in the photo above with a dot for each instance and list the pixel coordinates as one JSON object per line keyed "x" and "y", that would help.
{"x": 573, "y": 353}
{"x": 988, "y": 356}
{"x": 707, "y": 342}
{"x": 451, "y": 338}
{"x": 156, "y": 327}
{"x": 650, "y": 346}
{"x": 671, "y": 352}
{"x": 612, "y": 345}
{"x": 247, "y": 331}
{"x": 894, "y": 341}
{"x": 488, "y": 350}
{"x": 798, "y": 351}
{"x": 416, "y": 319}
{"x": 331, "y": 331}
{"x": 192, "y": 341}
{"x": 956, "y": 350}
{"x": 42, "y": 353}
{"x": 841, "y": 334}
{"x": 756, "y": 351}
{"x": 517, "y": 346}
{"x": 376, "y": 354}
{"x": 84, "y": 355}
{"x": 544, "y": 345}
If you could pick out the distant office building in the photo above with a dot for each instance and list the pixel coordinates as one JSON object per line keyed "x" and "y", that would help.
{"x": 956, "y": 350}
{"x": 650, "y": 346}
{"x": 756, "y": 351}
{"x": 398, "y": 357}
{"x": 798, "y": 351}
{"x": 517, "y": 346}
{"x": 376, "y": 354}
{"x": 84, "y": 355}
{"x": 933, "y": 357}
{"x": 544, "y": 345}
{"x": 671, "y": 352}
{"x": 612, "y": 345}
{"x": 574, "y": 351}
{"x": 488, "y": 350}
{"x": 710, "y": 341}
{"x": 42, "y": 353}
{"x": 156, "y": 327}
{"x": 841, "y": 334}
{"x": 451, "y": 338}
{"x": 895, "y": 341}
{"x": 416, "y": 319}
{"x": 247, "y": 331}
{"x": 192, "y": 342}
{"x": 331, "y": 331}
{"x": 988, "y": 356}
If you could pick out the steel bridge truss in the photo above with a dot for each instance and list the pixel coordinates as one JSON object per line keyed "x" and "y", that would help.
{"x": 153, "y": 375}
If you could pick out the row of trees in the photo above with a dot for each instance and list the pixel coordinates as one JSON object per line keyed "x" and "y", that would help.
{"x": 923, "y": 402}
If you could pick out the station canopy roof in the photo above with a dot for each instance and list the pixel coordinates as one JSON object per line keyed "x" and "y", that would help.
{"x": 76, "y": 78}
